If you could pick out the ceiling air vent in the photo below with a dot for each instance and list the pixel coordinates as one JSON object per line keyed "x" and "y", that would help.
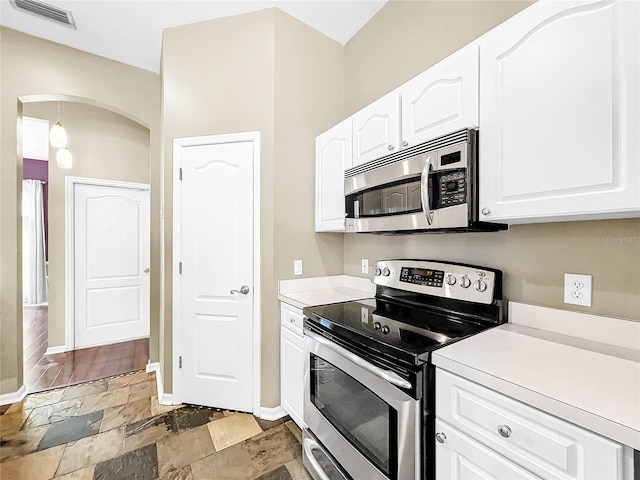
{"x": 46, "y": 10}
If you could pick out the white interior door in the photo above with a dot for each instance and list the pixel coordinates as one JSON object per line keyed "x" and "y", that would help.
{"x": 215, "y": 253}
{"x": 111, "y": 264}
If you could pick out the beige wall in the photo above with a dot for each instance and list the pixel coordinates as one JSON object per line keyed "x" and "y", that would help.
{"x": 218, "y": 78}
{"x": 260, "y": 71}
{"x": 406, "y": 37}
{"x": 104, "y": 145}
{"x": 31, "y": 66}
{"x": 309, "y": 73}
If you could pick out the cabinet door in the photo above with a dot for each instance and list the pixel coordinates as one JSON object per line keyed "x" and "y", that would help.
{"x": 291, "y": 374}
{"x": 376, "y": 129}
{"x": 333, "y": 156}
{"x": 559, "y": 113}
{"x": 541, "y": 443}
{"x": 460, "y": 457}
{"x": 441, "y": 100}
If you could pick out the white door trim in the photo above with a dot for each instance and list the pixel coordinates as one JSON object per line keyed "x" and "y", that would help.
{"x": 178, "y": 144}
{"x": 69, "y": 245}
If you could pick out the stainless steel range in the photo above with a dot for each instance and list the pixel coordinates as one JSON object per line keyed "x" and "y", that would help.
{"x": 369, "y": 381}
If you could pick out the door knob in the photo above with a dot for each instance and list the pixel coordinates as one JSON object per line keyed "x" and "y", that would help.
{"x": 244, "y": 289}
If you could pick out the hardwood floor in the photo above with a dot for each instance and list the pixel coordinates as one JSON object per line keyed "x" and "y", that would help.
{"x": 44, "y": 372}
{"x": 35, "y": 333}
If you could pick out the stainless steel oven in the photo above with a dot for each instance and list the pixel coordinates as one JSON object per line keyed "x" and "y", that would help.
{"x": 369, "y": 382}
{"x": 360, "y": 412}
{"x": 429, "y": 187}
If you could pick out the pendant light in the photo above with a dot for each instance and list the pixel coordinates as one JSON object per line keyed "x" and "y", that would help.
{"x": 58, "y": 135}
{"x": 64, "y": 159}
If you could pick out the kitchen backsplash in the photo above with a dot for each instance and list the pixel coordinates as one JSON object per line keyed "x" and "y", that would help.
{"x": 534, "y": 259}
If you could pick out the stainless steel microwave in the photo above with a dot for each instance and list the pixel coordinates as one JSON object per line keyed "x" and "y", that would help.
{"x": 429, "y": 187}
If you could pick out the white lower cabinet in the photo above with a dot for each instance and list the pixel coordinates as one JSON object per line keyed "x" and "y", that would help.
{"x": 291, "y": 362}
{"x": 480, "y": 430}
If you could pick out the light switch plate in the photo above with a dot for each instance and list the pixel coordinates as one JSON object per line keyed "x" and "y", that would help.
{"x": 577, "y": 289}
{"x": 297, "y": 267}
{"x": 365, "y": 265}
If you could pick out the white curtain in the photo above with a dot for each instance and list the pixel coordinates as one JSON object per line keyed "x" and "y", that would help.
{"x": 34, "y": 282}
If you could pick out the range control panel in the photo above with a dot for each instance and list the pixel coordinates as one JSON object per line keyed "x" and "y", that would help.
{"x": 460, "y": 282}
{"x": 422, "y": 276}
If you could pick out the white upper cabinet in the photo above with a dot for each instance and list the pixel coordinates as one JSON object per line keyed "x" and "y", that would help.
{"x": 333, "y": 156}
{"x": 559, "y": 113}
{"x": 376, "y": 129}
{"x": 442, "y": 99}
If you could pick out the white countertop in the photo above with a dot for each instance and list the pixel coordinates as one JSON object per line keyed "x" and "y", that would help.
{"x": 304, "y": 292}
{"x": 586, "y": 382}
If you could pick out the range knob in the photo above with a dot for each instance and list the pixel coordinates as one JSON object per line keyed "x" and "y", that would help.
{"x": 385, "y": 329}
{"x": 377, "y": 326}
{"x": 451, "y": 280}
{"x": 378, "y": 272}
{"x": 480, "y": 285}
{"x": 465, "y": 282}
{"x": 386, "y": 272}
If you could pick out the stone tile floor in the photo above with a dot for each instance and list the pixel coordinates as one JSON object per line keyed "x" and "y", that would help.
{"x": 115, "y": 429}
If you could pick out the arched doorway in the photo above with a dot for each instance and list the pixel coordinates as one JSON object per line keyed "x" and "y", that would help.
{"x": 110, "y": 145}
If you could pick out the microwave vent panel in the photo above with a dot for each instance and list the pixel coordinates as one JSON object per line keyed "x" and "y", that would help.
{"x": 428, "y": 146}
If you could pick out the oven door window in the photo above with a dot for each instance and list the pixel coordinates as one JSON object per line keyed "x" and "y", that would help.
{"x": 362, "y": 417}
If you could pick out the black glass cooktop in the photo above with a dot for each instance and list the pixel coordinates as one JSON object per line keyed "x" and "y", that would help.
{"x": 405, "y": 331}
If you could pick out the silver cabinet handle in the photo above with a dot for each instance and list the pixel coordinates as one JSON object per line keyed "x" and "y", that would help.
{"x": 146, "y": 270}
{"x": 405, "y": 143}
{"x": 390, "y": 148}
{"x": 485, "y": 211}
{"x": 441, "y": 437}
{"x": 504, "y": 431}
{"x": 386, "y": 375}
{"x": 424, "y": 190}
{"x": 244, "y": 289}
{"x": 292, "y": 320}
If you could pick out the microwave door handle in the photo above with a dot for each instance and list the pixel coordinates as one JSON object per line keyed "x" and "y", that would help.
{"x": 391, "y": 377}
{"x": 424, "y": 190}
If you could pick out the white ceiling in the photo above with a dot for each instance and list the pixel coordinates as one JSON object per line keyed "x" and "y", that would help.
{"x": 131, "y": 31}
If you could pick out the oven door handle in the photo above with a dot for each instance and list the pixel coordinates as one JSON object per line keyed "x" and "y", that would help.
{"x": 386, "y": 375}
{"x": 424, "y": 190}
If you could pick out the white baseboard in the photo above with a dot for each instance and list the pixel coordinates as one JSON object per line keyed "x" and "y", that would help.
{"x": 163, "y": 398}
{"x": 54, "y": 350}
{"x": 273, "y": 413}
{"x": 13, "y": 397}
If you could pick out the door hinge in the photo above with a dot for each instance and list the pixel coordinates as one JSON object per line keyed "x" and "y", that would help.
{"x": 180, "y": 268}
{"x": 180, "y": 174}
{"x": 180, "y": 361}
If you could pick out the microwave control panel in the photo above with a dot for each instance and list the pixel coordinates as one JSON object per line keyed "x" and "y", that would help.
{"x": 452, "y": 188}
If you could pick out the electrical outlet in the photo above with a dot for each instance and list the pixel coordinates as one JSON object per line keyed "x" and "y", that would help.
{"x": 297, "y": 267}
{"x": 577, "y": 289}
{"x": 365, "y": 265}
{"x": 364, "y": 315}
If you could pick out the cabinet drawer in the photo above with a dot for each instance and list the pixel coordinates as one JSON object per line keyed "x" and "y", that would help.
{"x": 460, "y": 457}
{"x": 541, "y": 443}
{"x": 291, "y": 317}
